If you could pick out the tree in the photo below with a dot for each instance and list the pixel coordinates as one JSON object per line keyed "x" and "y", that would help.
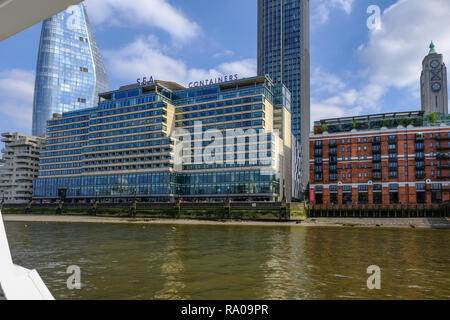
{"x": 324, "y": 128}
{"x": 432, "y": 117}
{"x": 386, "y": 123}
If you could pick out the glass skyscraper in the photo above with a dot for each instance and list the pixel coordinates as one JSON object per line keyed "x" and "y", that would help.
{"x": 70, "y": 72}
{"x": 283, "y": 54}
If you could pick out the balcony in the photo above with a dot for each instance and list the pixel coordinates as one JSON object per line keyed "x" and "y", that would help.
{"x": 376, "y": 175}
{"x": 376, "y": 140}
{"x": 443, "y": 156}
{"x": 443, "y": 147}
{"x": 420, "y": 147}
{"x": 392, "y": 139}
{"x": 333, "y": 144}
{"x": 318, "y": 144}
{"x": 420, "y": 157}
{"x": 443, "y": 138}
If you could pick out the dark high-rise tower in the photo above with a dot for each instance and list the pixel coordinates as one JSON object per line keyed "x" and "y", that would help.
{"x": 283, "y": 54}
{"x": 70, "y": 72}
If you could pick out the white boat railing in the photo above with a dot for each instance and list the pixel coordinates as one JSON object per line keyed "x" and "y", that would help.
{"x": 19, "y": 283}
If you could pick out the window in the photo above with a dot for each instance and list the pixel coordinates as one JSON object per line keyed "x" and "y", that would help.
{"x": 421, "y": 187}
{"x": 363, "y": 188}
{"x": 393, "y": 187}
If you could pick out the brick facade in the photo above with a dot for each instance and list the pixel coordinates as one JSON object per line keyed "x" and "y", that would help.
{"x": 385, "y": 166}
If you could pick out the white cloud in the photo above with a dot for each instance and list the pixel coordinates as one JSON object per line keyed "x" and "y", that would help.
{"x": 223, "y": 54}
{"x": 394, "y": 53}
{"x": 393, "y": 57}
{"x": 322, "y": 81}
{"x": 142, "y": 14}
{"x": 143, "y": 57}
{"x": 16, "y": 100}
{"x": 321, "y": 9}
{"x": 332, "y": 98}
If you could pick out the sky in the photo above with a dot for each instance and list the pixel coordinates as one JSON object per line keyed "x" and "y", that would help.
{"x": 354, "y": 69}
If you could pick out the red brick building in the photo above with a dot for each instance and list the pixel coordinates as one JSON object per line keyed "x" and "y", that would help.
{"x": 396, "y": 158}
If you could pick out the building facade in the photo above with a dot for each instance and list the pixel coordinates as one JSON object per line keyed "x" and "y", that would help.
{"x": 283, "y": 54}
{"x": 19, "y": 167}
{"x": 162, "y": 142}
{"x": 396, "y": 158}
{"x": 70, "y": 72}
{"x": 433, "y": 83}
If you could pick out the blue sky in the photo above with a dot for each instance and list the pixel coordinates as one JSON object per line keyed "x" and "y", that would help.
{"x": 353, "y": 70}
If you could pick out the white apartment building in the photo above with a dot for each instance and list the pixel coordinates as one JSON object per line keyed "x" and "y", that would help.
{"x": 19, "y": 167}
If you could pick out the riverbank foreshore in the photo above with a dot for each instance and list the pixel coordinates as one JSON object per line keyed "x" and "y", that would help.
{"x": 419, "y": 223}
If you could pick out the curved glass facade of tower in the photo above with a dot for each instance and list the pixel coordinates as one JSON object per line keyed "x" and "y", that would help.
{"x": 70, "y": 72}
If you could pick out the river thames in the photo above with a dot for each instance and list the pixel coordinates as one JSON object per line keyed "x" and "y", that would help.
{"x": 233, "y": 262}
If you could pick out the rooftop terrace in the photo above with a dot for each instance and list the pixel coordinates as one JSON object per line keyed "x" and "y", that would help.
{"x": 378, "y": 121}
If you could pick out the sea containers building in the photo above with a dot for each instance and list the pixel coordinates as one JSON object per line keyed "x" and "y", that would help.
{"x": 153, "y": 142}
